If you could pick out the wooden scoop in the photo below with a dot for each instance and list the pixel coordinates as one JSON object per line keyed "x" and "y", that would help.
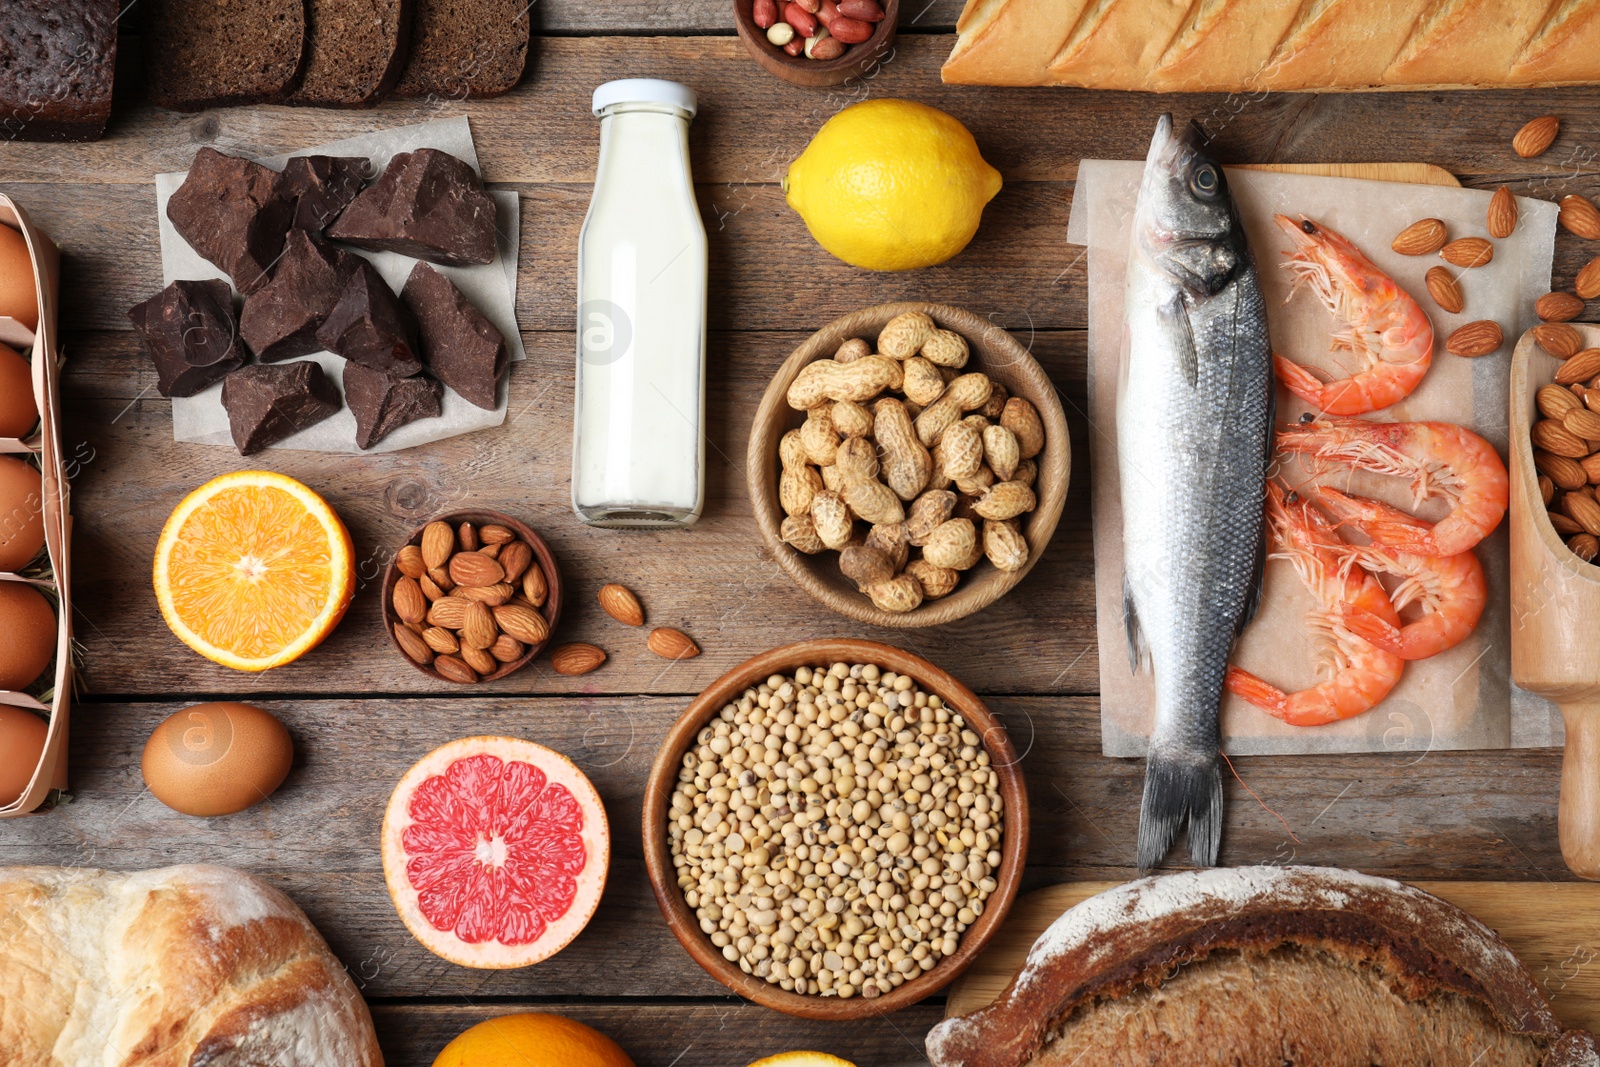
{"x": 1555, "y": 616}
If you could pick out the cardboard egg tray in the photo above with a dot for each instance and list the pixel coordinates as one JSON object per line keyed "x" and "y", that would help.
{"x": 51, "y": 571}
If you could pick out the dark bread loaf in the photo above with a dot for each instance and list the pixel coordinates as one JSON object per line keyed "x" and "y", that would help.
{"x": 1264, "y": 967}
{"x": 200, "y": 54}
{"x": 355, "y": 50}
{"x": 56, "y": 64}
{"x": 464, "y": 48}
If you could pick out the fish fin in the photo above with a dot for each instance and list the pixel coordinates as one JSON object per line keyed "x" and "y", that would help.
{"x": 1138, "y": 649}
{"x": 1175, "y": 314}
{"x": 1175, "y": 788}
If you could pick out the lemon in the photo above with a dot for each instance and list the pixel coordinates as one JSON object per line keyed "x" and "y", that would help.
{"x": 802, "y": 1059}
{"x": 891, "y": 185}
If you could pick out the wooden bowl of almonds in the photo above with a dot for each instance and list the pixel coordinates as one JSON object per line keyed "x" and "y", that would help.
{"x": 864, "y": 884}
{"x": 908, "y": 464}
{"x": 472, "y": 596}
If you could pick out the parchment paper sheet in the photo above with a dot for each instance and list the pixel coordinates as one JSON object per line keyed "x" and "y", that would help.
{"x": 1460, "y": 699}
{"x": 492, "y": 288}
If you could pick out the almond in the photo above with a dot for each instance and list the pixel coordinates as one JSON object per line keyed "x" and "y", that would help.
{"x": 441, "y": 640}
{"x": 492, "y": 551}
{"x": 523, "y": 623}
{"x": 1584, "y": 546}
{"x": 455, "y": 669}
{"x": 495, "y": 534}
{"x": 408, "y": 601}
{"x": 1467, "y": 252}
{"x": 438, "y": 542}
{"x": 1583, "y": 510}
{"x": 1565, "y": 524}
{"x": 1556, "y": 439}
{"x": 1502, "y": 213}
{"x": 441, "y": 578}
{"x": 479, "y": 659}
{"x": 1558, "y": 339}
{"x": 474, "y": 568}
{"x": 507, "y": 649}
{"x": 1547, "y": 488}
{"x": 1536, "y": 136}
{"x": 467, "y": 535}
{"x": 1555, "y": 402}
{"x": 478, "y": 629}
{"x": 1587, "y": 284}
{"x": 514, "y": 559}
{"x": 415, "y": 648}
{"x": 1579, "y": 215}
{"x": 1421, "y": 238}
{"x": 1591, "y": 469}
{"x": 620, "y": 603}
{"x": 409, "y": 562}
{"x": 1558, "y": 307}
{"x": 1445, "y": 290}
{"x": 534, "y": 586}
{"x": 1474, "y": 339}
{"x": 1580, "y": 368}
{"x": 429, "y": 589}
{"x": 576, "y": 658}
{"x": 449, "y": 612}
{"x": 492, "y": 595}
{"x": 1566, "y": 473}
{"x": 668, "y": 643}
{"x": 1583, "y": 422}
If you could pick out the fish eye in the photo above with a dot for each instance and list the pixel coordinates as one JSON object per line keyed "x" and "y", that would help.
{"x": 1205, "y": 180}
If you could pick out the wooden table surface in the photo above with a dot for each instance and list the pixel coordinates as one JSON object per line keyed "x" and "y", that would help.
{"x": 360, "y": 715}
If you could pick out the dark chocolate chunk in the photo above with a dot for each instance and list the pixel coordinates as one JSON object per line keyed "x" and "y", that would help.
{"x": 322, "y": 187}
{"x": 463, "y": 349}
{"x": 235, "y": 213}
{"x": 265, "y": 404}
{"x": 189, "y": 330}
{"x": 382, "y": 404}
{"x": 427, "y": 204}
{"x": 280, "y": 320}
{"x": 370, "y": 326}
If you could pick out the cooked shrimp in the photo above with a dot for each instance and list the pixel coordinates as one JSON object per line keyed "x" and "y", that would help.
{"x": 1356, "y": 674}
{"x": 1439, "y": 458}
{"x": 1386, "y": 330}
{"x": 1450, "y": 589}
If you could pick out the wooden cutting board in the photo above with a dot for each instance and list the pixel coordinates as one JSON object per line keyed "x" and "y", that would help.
{"x": 1411, "y": 173}
{"x": 1553, "y": 927}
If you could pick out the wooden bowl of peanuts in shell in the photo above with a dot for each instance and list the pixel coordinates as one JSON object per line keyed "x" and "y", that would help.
{"x": 908, "y": 464}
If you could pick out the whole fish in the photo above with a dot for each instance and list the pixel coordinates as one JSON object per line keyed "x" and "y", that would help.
{"x": 1194, "y": 435}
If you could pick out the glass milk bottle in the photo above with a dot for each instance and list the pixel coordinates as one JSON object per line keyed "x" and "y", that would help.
{"x": 638, "y": 442}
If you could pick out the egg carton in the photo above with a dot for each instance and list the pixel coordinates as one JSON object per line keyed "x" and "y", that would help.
{"x": 51, "y": 573}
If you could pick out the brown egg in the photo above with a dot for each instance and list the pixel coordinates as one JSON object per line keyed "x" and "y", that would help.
{"x": 18, "y": 298}
{"x": 28, "y": 624}
{"x": 18, "y": 413}
{"x": 22, "y": 736}
{"x": 216, "y": 759}
{"x": 21, "y": 512}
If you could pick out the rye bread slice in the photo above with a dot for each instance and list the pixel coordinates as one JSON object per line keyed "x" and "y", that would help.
{"x": 465, "y": 48}
{"x": 354, "y": 52}
{"x": 56, "y": 62}
{"x": 201, "y": 54}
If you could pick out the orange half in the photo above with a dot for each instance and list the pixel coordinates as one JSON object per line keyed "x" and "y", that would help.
{"x": 253, "y": 570}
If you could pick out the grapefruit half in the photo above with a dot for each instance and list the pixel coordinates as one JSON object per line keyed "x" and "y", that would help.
{"x": 495, "y": 850}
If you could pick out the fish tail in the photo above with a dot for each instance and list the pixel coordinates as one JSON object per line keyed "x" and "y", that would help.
{"x": 1176, "y": 787}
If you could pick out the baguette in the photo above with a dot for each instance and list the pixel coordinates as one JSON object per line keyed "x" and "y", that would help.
{"x": 1277, "y": 45}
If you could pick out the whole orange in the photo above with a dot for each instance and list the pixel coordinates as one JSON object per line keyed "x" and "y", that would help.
{"x": 532, "y": 1039}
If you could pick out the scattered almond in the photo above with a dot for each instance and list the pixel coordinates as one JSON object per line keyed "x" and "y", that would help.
{"x": 1558, "y": 307}
{"x": 1579, "y": 215}
{"x": 1475, "y": 339}
{"x": 1536, "y": 136}
{"x": 1558, "y": 339}
{"x": 577, "y": 658}
{"x": 1587, "y": 284}
{"x": 1423, "y": 237}
{"x": 620, "y": 603}
{"x": 668, "y": 643}
{"x": 438, "y": 542}
{"x": 1502, "y": 213}
{"x": 1581, "y": 367}
{"x": 1468, "y": 252}
{"x": 1445, "y": 290}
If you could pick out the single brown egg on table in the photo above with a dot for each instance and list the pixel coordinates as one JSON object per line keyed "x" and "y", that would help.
{"x": 21, "y": 512}
{"x": 22, "y": 735}
{"x": 217, "y": 758}
{"x": 18, "y": 297}
{"x": 18, "y": 413}
{"x": 27, "y": 634}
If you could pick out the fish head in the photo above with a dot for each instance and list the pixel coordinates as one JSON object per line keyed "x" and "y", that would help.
{"x": 1186, "y": 223}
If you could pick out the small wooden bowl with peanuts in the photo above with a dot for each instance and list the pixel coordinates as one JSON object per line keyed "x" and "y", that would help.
{"x": 908, "y": 464}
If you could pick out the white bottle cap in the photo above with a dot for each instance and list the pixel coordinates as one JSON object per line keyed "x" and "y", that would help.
{"x": 644, "y": 91}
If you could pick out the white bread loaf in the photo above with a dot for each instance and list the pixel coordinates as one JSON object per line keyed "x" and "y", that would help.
{"x": 178, "y": 967}
{"x": 1276, "y": 45}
